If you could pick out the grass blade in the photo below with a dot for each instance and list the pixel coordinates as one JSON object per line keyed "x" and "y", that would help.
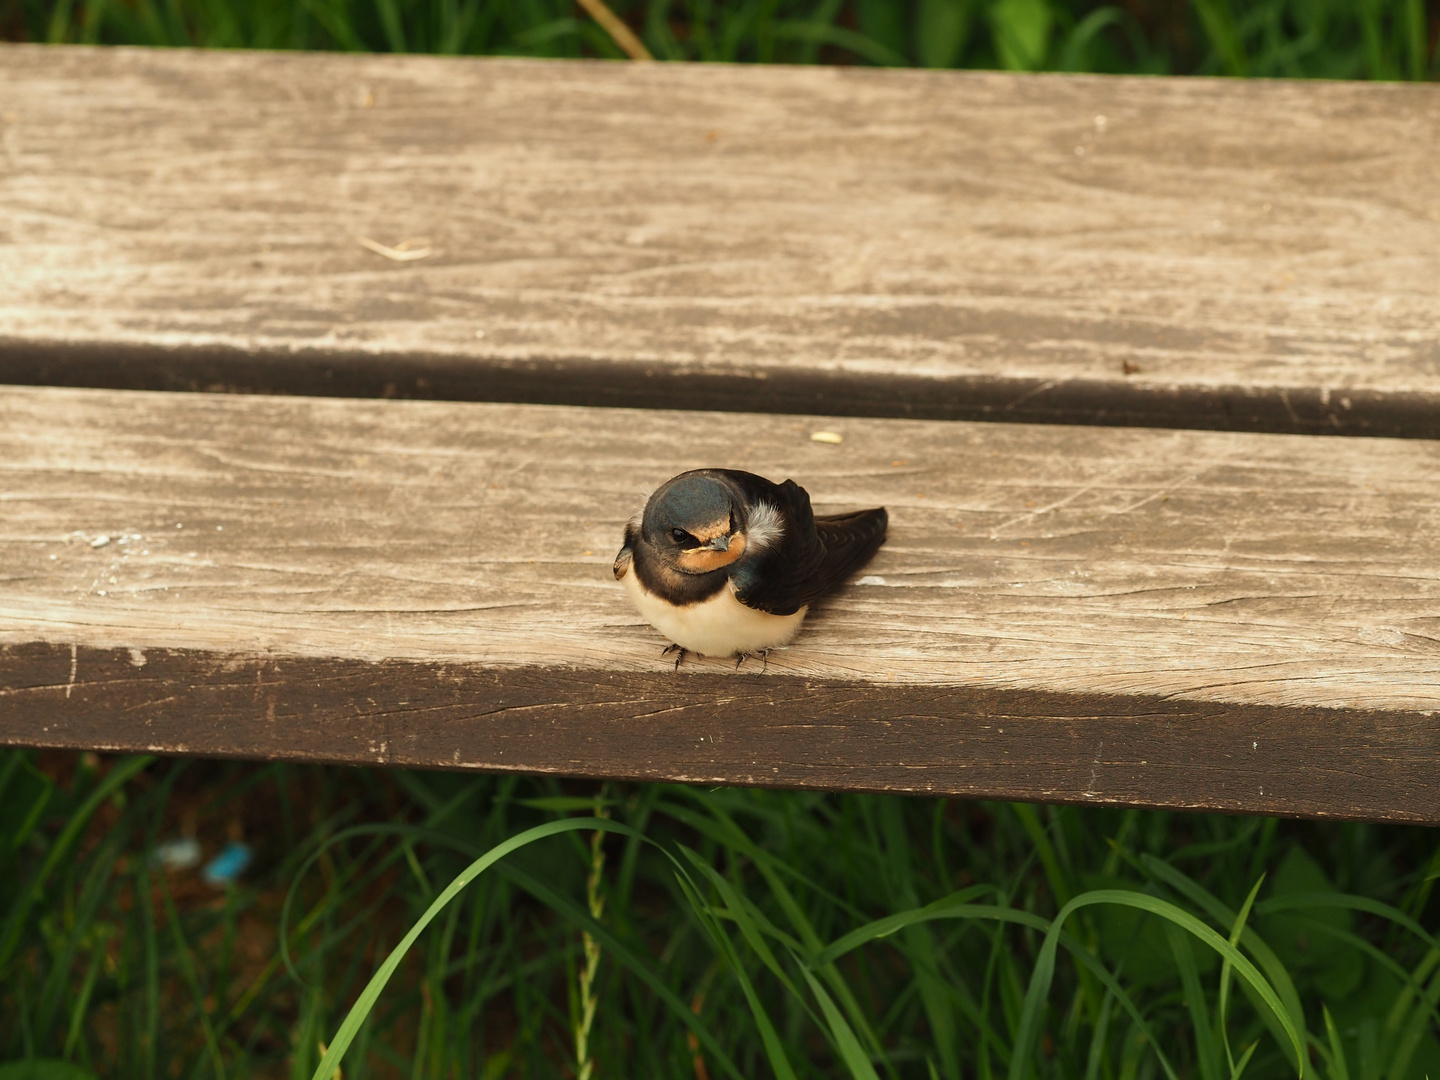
{"x": 1237, "y": 931}
{"x": 1339, "y": 1069}
{"x": 1029, "y": 1034}
{"x": 841, "y": 1034}
{"x": 114, "y": 780}
{"x": 769, "y": 1037}
{"x": 1205, "y": 1056}
{"x": 330, "y": 1063}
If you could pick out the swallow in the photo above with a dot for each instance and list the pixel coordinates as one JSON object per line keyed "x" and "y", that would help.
{"x": 726, "y": 563}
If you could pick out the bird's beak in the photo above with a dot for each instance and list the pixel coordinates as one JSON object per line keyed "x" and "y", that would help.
{"x": 720, "y": 543}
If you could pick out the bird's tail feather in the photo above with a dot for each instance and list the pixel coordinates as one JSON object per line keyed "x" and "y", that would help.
{"x": 850, "y": 540}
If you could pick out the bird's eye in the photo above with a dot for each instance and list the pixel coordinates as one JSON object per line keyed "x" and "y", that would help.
{"x": 683, "y": 538}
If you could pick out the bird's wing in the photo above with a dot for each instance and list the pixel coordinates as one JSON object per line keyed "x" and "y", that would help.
{"x": 813, "y": 556}
{"x": 849, "y": 541}
{"x": 771, "y": 577}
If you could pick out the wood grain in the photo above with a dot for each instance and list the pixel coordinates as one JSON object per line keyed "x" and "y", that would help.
{"x": 718, "y": 728}
{"x": 428, "y": 583}
{"x": 1256, "y": 255}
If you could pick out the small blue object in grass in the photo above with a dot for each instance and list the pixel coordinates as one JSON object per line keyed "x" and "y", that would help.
{"x": 228, "y": 865}
{"x": 181, "y": 853}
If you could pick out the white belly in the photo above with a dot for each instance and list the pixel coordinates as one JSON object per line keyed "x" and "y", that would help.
{"x": 719, "y": 626}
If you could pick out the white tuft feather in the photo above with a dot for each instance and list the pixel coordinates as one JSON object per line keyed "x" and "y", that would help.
{"x": 765, "y": 527}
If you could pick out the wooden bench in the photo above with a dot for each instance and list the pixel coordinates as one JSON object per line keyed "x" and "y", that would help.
{"x": 1179, "y": 574}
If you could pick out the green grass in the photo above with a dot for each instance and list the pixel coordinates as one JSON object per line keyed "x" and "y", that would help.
{"x": 742, "y": 933}
{"x": 1337, "y": 39}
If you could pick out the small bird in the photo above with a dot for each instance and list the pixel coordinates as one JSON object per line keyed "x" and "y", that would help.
{"x": 726, "y": 563}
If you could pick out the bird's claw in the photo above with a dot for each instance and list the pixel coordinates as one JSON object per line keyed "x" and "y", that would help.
{"x": 679, "y": 650}
{"x": 764, "y": 655}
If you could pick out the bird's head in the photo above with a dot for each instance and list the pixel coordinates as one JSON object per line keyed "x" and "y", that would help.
{"x": 696, "y": 523}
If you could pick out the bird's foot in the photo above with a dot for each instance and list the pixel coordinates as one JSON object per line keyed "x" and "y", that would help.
{"x": 679, "y": 651}
{"x": 764, "y": 654}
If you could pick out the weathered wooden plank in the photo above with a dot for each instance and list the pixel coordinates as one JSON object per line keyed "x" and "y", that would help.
{"x": 1256, "y": 255}
{"x": 1241, "y": 622}
{"x": 715, "y": 727}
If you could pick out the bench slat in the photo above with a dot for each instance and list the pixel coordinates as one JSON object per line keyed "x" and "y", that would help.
{"x": 1256, "y": 255}
{"x": 1185, "y": 619}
